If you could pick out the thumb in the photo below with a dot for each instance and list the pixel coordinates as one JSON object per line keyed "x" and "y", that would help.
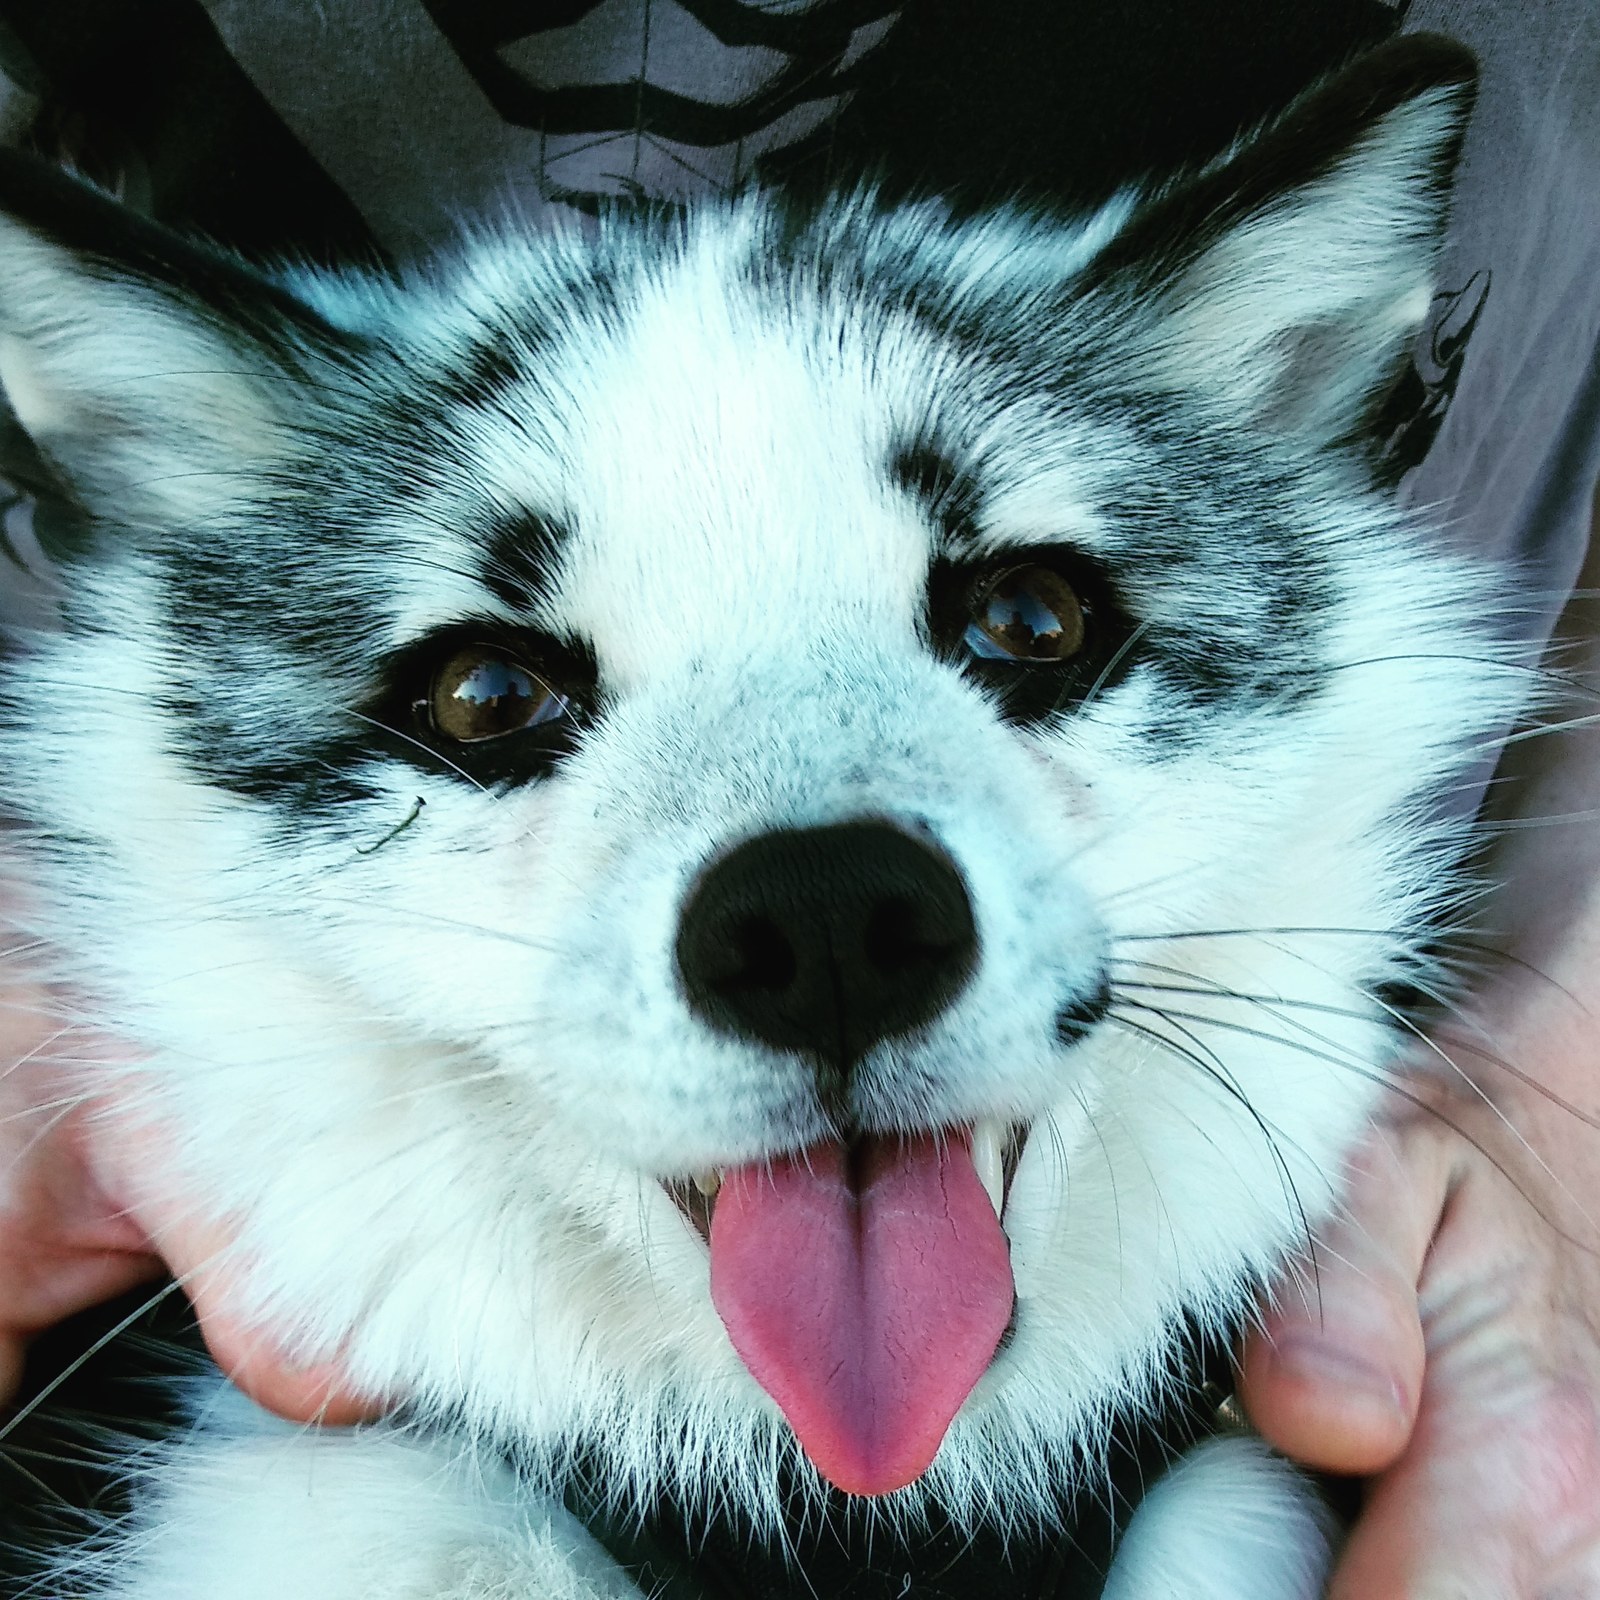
{"x": 134, "y": 1158}
{"x": 205, "y": 1261}
{"x": 1333, "y": 1377}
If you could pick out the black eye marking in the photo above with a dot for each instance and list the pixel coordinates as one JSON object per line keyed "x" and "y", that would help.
{"x": 1043, "y": 628}
{"x": 518, "y": 557}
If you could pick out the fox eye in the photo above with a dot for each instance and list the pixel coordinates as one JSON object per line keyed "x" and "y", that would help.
{"x": 1026, "y": 614}
{"x": 482, "y": 693}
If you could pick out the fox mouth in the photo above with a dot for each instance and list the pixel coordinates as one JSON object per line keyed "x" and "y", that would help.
{"x": 866, "y": 1285}
{"x": 996, "y": 1148}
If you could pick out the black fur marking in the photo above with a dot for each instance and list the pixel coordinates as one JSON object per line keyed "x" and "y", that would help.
{"x": 518, "y": 558}
{"x": 507, "y": 355}
{"x": 321, "y": 759}
{"x": 317, "y": 776}
{"x": 264, "y": 591}
{"x": 482, "y": 376}
{"x": 1075, "y": 1021}
{"x": 1219, "y": 520}
{"x": 950, "y": 497}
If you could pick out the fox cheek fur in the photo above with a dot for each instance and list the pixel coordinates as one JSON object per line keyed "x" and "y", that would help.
{"x": 588, "y": 764}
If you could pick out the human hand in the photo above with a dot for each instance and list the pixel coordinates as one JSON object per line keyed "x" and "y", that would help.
{"x": 81, "y": 1220}
{"x": 1450, "y": 1351}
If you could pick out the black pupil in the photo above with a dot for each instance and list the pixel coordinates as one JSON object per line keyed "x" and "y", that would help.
{"x": 1029, "y": 615}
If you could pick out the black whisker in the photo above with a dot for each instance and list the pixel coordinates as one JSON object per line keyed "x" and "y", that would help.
{"x": 1391, "y": 1082}
{"x": 1196, "y": 1053}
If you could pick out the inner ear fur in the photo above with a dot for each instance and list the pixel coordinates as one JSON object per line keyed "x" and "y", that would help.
{"x": 144, "y": 365}
{"x": 1287, "y": 279}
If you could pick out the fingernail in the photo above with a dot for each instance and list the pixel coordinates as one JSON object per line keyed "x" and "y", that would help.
{"x": 1326, "y": 1366}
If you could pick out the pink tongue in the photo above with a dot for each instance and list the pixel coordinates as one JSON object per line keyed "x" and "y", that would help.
{"x": 866, "y": 1302}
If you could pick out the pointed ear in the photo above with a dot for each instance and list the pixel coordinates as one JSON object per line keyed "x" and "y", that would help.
{"x": 1287, "y": 280}
{"x": 144, "y": 366}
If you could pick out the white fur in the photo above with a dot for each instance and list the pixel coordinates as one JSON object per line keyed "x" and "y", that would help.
{"x": 1229, "y": 1522}
{"x": 255, "y": 1510}
{"x": 436, "y": 1078}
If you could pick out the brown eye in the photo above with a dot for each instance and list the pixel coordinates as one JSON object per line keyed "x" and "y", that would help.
{"x": 1027, "y": 614}
{"x": 480, "y": 693}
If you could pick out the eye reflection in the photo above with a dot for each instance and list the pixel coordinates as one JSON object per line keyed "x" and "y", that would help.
{"x": 481, "y": 694}
{"x": 1027, "y": 614}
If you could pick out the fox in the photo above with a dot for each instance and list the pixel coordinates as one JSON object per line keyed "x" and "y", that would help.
{"x": 758, "y": 848}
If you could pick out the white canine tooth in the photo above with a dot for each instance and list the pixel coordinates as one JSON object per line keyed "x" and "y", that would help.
{"x": 708, "y": 1183}
{"x": 988, "y": 1156}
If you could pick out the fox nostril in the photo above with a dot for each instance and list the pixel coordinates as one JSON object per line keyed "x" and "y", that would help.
{"x": 760, "y": 957}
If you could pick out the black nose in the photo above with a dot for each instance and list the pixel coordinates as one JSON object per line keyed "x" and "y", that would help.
{"x": 826, "y": 940}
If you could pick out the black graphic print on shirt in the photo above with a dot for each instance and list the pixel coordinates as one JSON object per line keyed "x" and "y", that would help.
{"x": 679, "y": 95}
{"x": 1415, "y": 410}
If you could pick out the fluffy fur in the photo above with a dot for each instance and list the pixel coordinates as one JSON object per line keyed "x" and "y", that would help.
{"x": 420, "y": 1027}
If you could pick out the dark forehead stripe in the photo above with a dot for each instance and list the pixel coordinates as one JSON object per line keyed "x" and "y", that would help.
{"x": 814, "y": 252}
{"x": 950, "y": 496}
{"x": 484, "y": 373}
{"x": 517, "y": 558}
{"x": 494, "y": 364}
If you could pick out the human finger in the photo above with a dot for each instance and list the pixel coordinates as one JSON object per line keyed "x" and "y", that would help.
{"x": 267, "y": 1370}
{"x": 1494, "y": 1498}
{"x": 203, "y": 1254}
{"x": 1333, "y": 1377}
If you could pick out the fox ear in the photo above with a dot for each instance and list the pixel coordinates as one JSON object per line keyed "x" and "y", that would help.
{"x": 144, "y": 366}
{"x": 1288, "y": 279}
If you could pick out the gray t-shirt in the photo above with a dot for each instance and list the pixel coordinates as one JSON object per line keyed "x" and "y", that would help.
{"x": 1513, "y": 348}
